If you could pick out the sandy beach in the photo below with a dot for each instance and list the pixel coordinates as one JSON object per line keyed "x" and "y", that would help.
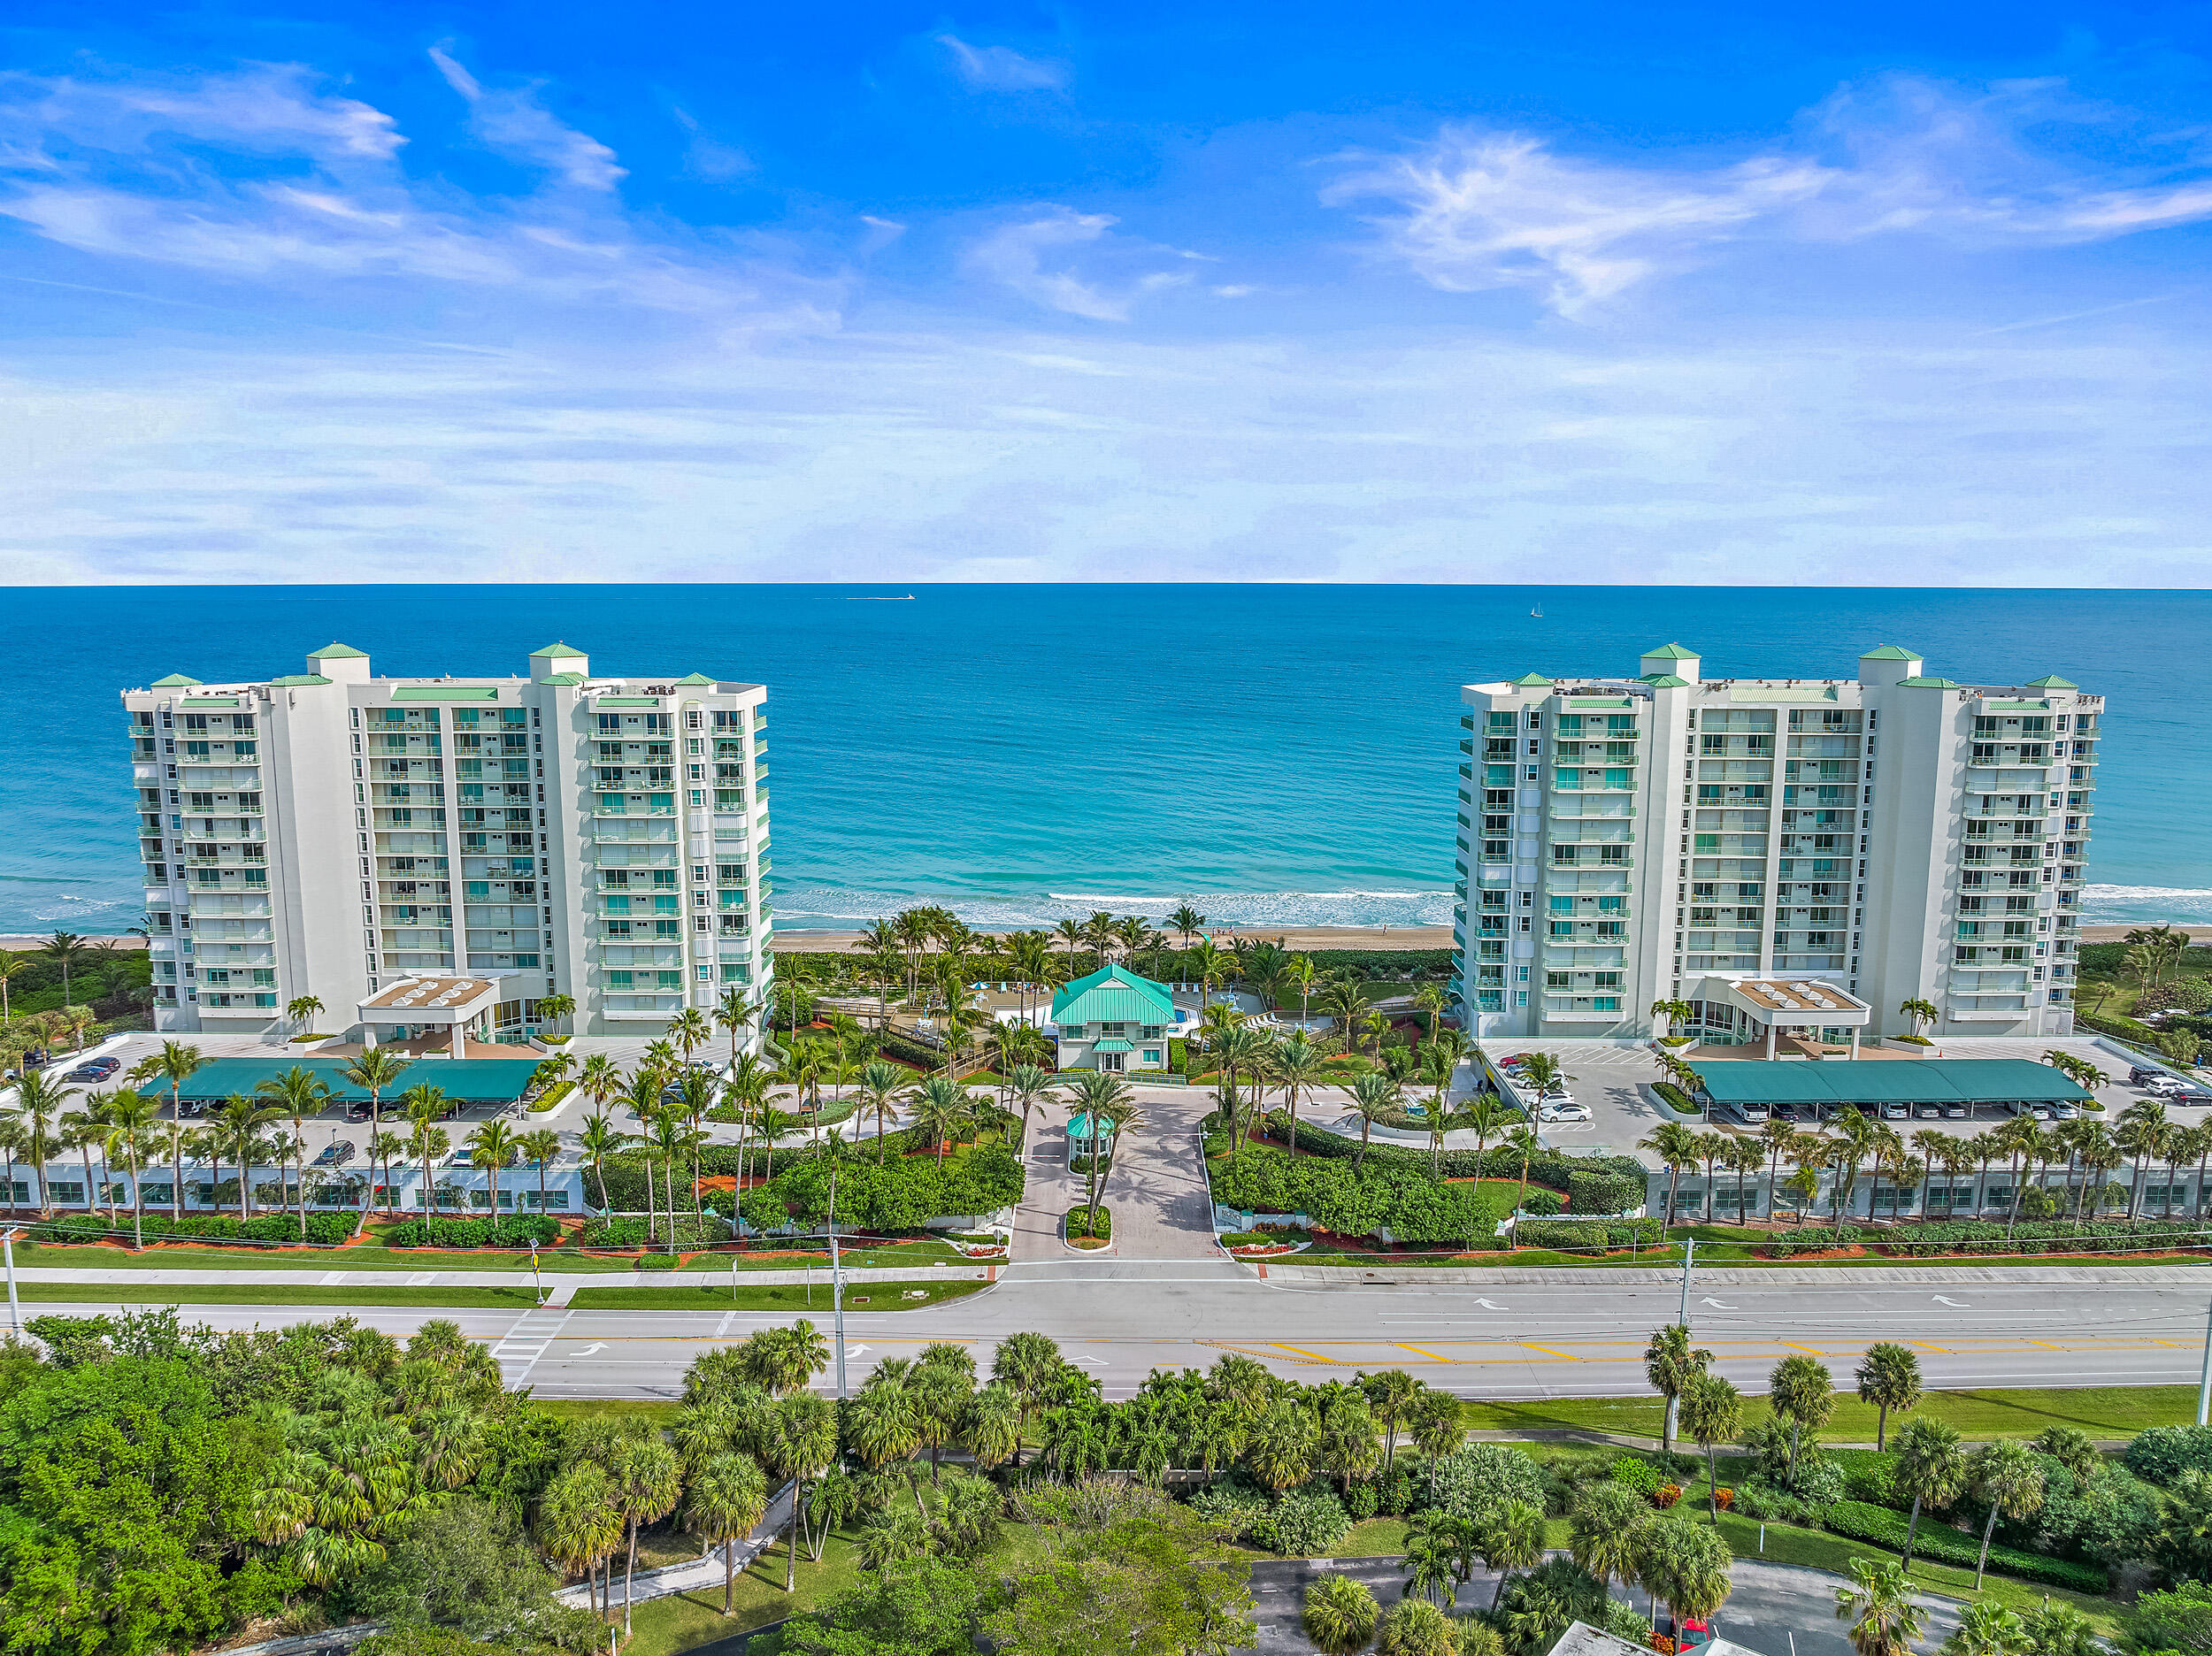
{"x": 1290, "y": 937}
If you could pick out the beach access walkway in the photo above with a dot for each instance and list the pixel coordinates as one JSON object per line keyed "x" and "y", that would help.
{"x": 1156, "y": 1192}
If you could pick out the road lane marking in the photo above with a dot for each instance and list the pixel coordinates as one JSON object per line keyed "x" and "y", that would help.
{"x": 1568, "y": 1356}
{"x": 1297, "y": 1351}
{"x": 1954, "y": 1304}
{"x": 1430, "y": 1355}
{"x": 1717, "y": 1305}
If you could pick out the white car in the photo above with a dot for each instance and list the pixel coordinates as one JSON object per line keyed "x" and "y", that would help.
{"x": 1562, "y": 1110}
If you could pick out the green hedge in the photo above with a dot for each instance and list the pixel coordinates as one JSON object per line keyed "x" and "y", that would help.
{"x": 325, "y": 1228}
{"x": 1563, "y": 1237}
{"x": 2126, "y": 1029}
{"x": 551, "y": 1097}
{"x": 1096, "y": 1222}
{"x": 1676, "y": 1098}
{"x": 1605, "y": 1193}
{"x": 693, "y": 1230}
{"x": 1980, "y": 1236}
{"x": 1554, "y": 1172}
{"x": 1942, "y": 1544}
{"x": 1357, "y": 1201}
{"x": 516, "y": 1231}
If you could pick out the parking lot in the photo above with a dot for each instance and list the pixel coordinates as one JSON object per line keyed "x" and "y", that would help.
{"x": 1615, "y": 1083}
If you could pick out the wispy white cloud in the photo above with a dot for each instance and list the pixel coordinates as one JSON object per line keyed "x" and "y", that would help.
{"x": 1002, "y": 69}
{"x": 1473, "y": 209}
{"x": 706, "y": 155}
{"x": 1036, "y": 258}
{"x": 513, "y": 122}
{"x": 265, "y": 175}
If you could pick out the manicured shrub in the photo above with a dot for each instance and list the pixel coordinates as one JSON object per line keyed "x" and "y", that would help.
{"x": 1637, "y": 1475}
{"x": 1590, "y": 1191}
{"x": 1973, "y": 1235}
{"x": 1361, "y": 1504}
{"x": 1408, "y": 1202}
{"x": 1942, "y": 1544}
{"x": 1474, "y": 1481}
{"x": 517, "y": 1230}
{"x": 1666, "y": 1495}
{"x": 1541, "y": 1204}
{"x": 2164, "y": 1453}
{"x": 1578, "y": 1235}
{"x": 691, "y": 1233}
{"x": 1306, "y": 1522}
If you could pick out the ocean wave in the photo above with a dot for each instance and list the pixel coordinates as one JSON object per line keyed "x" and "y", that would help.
{"x": 804, "y": 908}
{"x": 2131, "y": 905}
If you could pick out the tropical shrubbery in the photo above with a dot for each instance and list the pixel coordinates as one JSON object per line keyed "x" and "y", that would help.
{"x": 692, "y": 1230}
{"x": 1576, "y": 1236}
{"x": 1406, "y": 1201}
{"x": 328, "y": 1229}
{"x": 510, "y": 1231}
{"x": 1975, "y": 1236}
{"x": 1945, "y": 1545}
{"x": 1550, "y": 1169}
{"x": 898, "y": 1195}
{"x": 2164, "y": 1453}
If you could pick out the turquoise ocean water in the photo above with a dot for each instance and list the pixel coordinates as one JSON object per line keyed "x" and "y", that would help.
{"x": 1277, "y": 754}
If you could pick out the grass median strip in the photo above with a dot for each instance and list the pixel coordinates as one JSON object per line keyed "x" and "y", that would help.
{"x": 268, "y": 1293}
{"x": 2103, "y": 1412}
{"x": 875, "y": 1296}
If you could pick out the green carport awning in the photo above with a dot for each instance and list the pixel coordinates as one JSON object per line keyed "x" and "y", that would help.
{"x": 1876, "y": 1081}
{"x": 1111, "y": 1046}
{"x": 462, "y": 1080}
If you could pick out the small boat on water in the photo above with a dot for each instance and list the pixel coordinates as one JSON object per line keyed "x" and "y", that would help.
{"x": 1539, "y": 611}
{"x": 879, "y": 598}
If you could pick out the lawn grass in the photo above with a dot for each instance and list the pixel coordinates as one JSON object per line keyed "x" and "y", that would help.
{"x": 2102, "y": 1412}
{"x": 266, "y": 1294}
{"x": 52, "y": 1256}
{"x": 661, "y": 1412}
{"x": 875, "y": 1296}
{"x": 682, "y": 1620}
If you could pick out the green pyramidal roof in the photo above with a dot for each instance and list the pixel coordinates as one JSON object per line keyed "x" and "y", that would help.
{"x": 1666, "y": 681}
{"x": 1669, "y": 652}
{"x": 1889, "y": 652}
{"x": 335, "y": 651}
{"x": 553, "y": 650}
{"x": 174, "y": 681}
{"x": 2052, "y": 681}
{"x": 695, "y": 679}
{"x": 1113, "y": 994}
{"x": 1927, "y": 684}
{"x": 1528, "y": 678}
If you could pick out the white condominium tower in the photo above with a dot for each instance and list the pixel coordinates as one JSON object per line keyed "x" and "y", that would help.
{"x": 1896, "y": 836}
{"x": 328, "y": 833}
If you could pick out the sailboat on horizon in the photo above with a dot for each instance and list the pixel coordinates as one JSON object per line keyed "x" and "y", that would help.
{"x": 1539, "y": 611}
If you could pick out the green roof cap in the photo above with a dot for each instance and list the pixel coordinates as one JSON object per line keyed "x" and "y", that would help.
{"x": 1889, "y": 652}
{"x": 446, "y": 693}
{"x": 1528, "y": 678}
{"x": 1927, "y": 684}
{"x": 293, "y": 681}
{"x": 1666, "y": 681}
{"x": 174, "y": 681}
{"x": 1111, "y": 1046}
{"x": 2052, "y": 681}
{"x": 571, "y": 680}
{"x": 695, "y": 679}
{"x": 553, "y": 650}
{"x": 1669, "y": 652}
{"x": 335, "y": 651}
{"x": 1113, "y": 994}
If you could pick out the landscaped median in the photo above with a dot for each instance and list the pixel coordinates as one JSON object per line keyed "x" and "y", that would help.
{"x": 1087, "y": 1228}
{"x": 795, "y": 1296}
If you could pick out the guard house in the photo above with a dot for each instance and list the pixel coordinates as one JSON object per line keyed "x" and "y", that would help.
{"x": 1113, "y": 1020}
{"x": 429, "y": 1016}
{"x": 1787, "y": 1017}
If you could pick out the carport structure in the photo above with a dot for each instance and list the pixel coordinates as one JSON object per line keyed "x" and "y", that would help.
{"x": 465, "y": 1081}
{"x": 1867, "y": 1086}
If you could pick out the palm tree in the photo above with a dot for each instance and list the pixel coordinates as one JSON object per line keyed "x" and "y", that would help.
{"x": 648, "y": 1483}
{"x": 11, "y": 966}
{"x": 374, "y": 1071}
{"x": 39, "y": 1099}
{"x": 1186, "y": 922}
{"x": 1802, "y": 1391}
{"x": 1856, "y": 1136}
{"x": 493, "y": 1146}
{"x": 1669, "y": 1364}
{"x": 424, "y": 1104}
{"x": 1931, "y": 1468}
{"x": 1373, "y": 1097}
{"x": 68, "y": 951}
{"x": 1339, "y": 1615}
{"x": 129, "y": 1118}
{"x": 1602, "y": 1533}
{"x": 303, "y": 1010}
{"x": 725, "y": 1499}
{"x": 1889, "y": 1378}
{"x": 879, "y": 1083}
{"x": 540, "y": 1147}
{"x": 382, "y": 1148}
{"x": 1028, "y": 1084}
{"x": 2008, "y": 1478}
{"x": 554, "y": 1007}
{"x": 176, "y": 1063}
{"x": 1989, "y": 1628}
{"x": 81, "y": 1129}
{"x": 599, "y": 1139}
{"x": 599, "y": 1079}
{"x": 1293, "y": 1063}
{"x": 237, "y": 1126}
{"x": 1674, "y": 1144}
{"x": 1920, "y": 1012}
{"x": 300, "y": 1093}
{"x": 1521, "y": 1143}
{"x": 940, "y": 1111}
{"x": 2144, "y": 1133}
{"x": 1884, "y": 1621}
{"x": 1712, "y": 1410}
{"x": 579, "y": 1527}
{"x": 1512, "y": 1539}
{"x": 1094, "y": 1097}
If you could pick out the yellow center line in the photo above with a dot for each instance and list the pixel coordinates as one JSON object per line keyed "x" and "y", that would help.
{"x": 1924, "y": 1345}
{"x": 1300, "y": 1352}
{"x": 1417, "y": 1352}
{"x": 1547, "y": 1351}
{"x": 2045, "y": 1345}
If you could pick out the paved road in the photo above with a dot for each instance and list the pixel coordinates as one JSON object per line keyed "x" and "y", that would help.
{"x": 1776, "y": 1609}
{"x": 1520, "y": 1334}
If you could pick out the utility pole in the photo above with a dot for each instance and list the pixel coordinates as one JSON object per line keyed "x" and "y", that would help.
{"x": 1689, "y": 1263}
{"x": 15, "y": 1310}
{"x": 2204, "y": 1381}
{"x": 837, "y": 1289}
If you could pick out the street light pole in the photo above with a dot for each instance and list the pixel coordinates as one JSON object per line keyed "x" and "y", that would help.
{"x": 837, "y": 1290}
{"x": 15, "y": 1310}
{"x": 2204, "y": 1381}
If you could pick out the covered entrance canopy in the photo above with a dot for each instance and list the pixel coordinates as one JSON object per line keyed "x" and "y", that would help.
{"x": 452, "y": 1006}
{"x": 1753, "y": 1009}
{"x": 1867, "y": 1085}
{"x": 462, "y": 1080}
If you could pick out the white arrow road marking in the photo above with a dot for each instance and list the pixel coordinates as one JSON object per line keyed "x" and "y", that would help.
{"x": 1487, "y": 1306}
{"x": 596, "y": 1346}
{"x": 1954, "y": 1303}
{"x": 1096, "y": 1362}
{"x": 1716, "y": 1304}
{"x": 855, "y": 1351}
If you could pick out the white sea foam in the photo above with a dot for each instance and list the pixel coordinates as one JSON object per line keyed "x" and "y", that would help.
{"x": 815, "y": 908}
{"x": 2129, "y": 905}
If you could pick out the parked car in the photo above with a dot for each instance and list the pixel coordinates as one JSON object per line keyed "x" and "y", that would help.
{"x": 86, "y": 1075}
{"x": 1958, "y": 1112}
{"x": 2138, "y": 1074}
{"x": 334, "y": 1153}
{"x": 2042, "y": 1112}
{"x": 357, "y": 1109}
{"x": 1896, "y": 1112}
{"x": 2065, "y": 1111}
{"x": 1928, "y": 1112}
{"x": 2166, "y": 1086}
{"x": 1562, "y": 1110}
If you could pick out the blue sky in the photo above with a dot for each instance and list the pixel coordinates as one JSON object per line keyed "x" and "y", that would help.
{"x": 1613, "y": 293}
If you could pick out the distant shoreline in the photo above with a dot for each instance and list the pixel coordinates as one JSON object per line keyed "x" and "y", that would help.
{"x": 1409, "y": 938}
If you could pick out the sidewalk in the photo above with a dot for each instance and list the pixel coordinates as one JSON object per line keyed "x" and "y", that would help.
{"x": 1727, "y": 1276}
{"x": 562, "y": 1282}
